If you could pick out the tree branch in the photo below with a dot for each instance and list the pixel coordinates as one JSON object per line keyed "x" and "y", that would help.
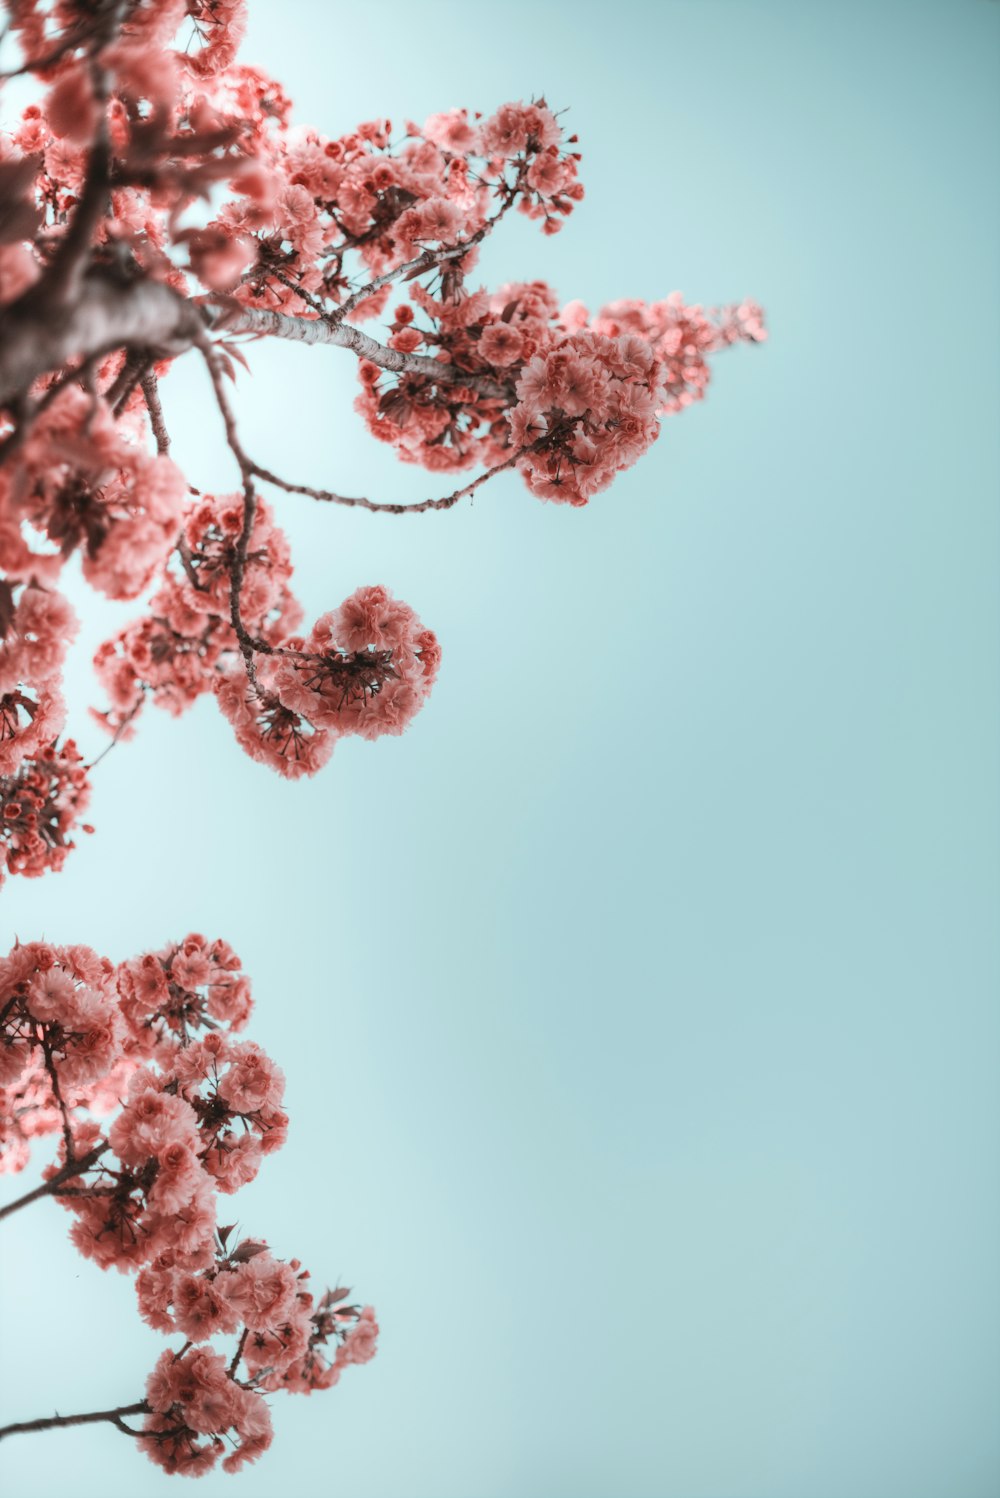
{"x": 239, "y": 1351}
{"x": 233, "y": 317}
{"x": 57, "y": 1094}
{"x": 134, "y": 366}
{"x": 151, "y": 394}
{"x": 37, "y": 336}
{"x": 53, "y": 1422}
{"x": 69, "y": 1172}
{"x": 246, "y": 641}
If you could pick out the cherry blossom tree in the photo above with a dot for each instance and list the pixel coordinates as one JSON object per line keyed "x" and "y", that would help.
{"x": 194, "y": 1111}
{"x": 157, "y": 203}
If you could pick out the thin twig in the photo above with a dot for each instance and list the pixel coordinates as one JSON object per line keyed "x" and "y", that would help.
{"x": 69, "y": 1172}
{"x": 382, "y": 506}
{"x": 118, "y": 733}
{"x": 151, "y": 394}
{"x": 57, "y": 1094}
{"x": 430, "y": 259}
{"x": 248, "y": 645}
{"x": 183, "y": 550}
{"x": 82, "y": 375}
{"x": 134, "y": 365}
{"x": 54, "y": 1422}
{"x": 239, "y": 1351}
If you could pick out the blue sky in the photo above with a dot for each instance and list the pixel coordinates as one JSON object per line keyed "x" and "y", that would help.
{"x": 639, "y": 1006}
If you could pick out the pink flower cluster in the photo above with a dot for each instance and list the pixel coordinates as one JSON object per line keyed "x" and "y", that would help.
{"x": 194, "y": 1398}
{"x": 585, "y": 411}
{"x": 80, "y": 481}
{"x": 41, "y": 805}
{"x": 300, "y": 204}
{"x": 178, "y": 649}
{"x": 366, "y": 668}
{"x": 169, "y": 997}
{"x": 581, "y": 400}
{"x": 83, "y": 480}
{"x": 36, "y": 626}
{"x": 43, "y": 787}
{"x": 197, "y": 1108}
{"x": 287, "y": 1333}
{"x": 59, "y": 1005}
{"x": 194, "y": 1405}
{"x": 195, "y": 1111}
{"x": 446, "y": 425}
{"x": 63, "y": 1043}
{"x": 308, "y": 203}
{"x": 186, "y": 1130}
{"x": 680, "y": 337}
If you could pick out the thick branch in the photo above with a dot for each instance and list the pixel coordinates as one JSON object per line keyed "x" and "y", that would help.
{"x": 37, "y": 336}
{"x": 52, "y": 1422}
{"x": 233, "y": 317}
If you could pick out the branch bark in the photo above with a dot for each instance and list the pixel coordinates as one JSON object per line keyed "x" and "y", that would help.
{"x": 232, "y": 317}
{"x": 37, "y": 335}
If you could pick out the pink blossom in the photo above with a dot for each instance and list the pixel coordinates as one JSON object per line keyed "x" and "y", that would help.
{"x": 252, "y": 1081}
{"x": 501, "y": 344}
{"x": 151, "y": 1121}
{"x": 71, "y": 107}
{"x": 360, "y": 1344}
{"x": 452, "y": 131}
{"x": 260, "y": 1292}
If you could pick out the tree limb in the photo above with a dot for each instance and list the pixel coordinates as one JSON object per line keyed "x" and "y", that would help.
{"x": 233, "y": 317}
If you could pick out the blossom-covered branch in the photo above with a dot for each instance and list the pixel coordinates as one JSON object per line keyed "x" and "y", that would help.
{"x": 151, "y": 1044}
{"x": 111, "y": 273}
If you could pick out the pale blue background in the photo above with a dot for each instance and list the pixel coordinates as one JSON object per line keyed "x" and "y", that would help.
{"x": 639, "y": 1009}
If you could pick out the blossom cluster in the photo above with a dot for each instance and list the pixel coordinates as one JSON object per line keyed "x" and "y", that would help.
{"x": 299, "y": 208}
{"x": 152, "y": 1041}
{"x": 44, "y": 789}
{"x": 364, "y": 669}
{"x": 84, "y": 482}
{"x": 196, "y": 1401}
{"x": 573, "y": 401}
